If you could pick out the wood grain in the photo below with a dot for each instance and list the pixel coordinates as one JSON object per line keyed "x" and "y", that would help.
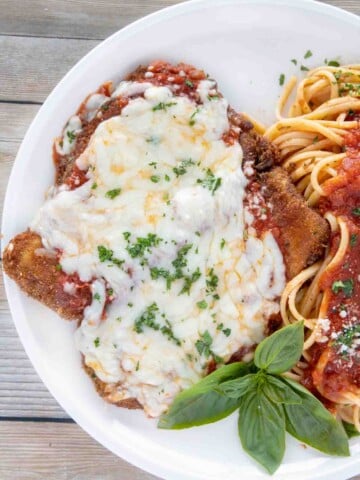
{"x": 352, "y": 6}
{"x": 31, "y": 67}
{"x": 54, "y": 451}
{"x": 15, "y": 120}
{"x": 89, "y": 19}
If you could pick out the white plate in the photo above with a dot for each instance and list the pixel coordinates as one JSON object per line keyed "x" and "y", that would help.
{"x": 245, "y": 45}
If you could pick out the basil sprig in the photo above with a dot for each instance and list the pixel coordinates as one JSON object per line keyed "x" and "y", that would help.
{"x": 201, "y": 403}
{"x": 269, "y": 403}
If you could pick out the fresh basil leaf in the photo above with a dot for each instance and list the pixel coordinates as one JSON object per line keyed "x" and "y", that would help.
{"x": 350, "y": 430}
{"x": 311, "y": 423}
{"x": 279, "y": 352}
{"x": 239, "y": 387}
{"x": 280, "y": 392}
{"x": 201, "y": 404}
{"x": 261, "y": 429}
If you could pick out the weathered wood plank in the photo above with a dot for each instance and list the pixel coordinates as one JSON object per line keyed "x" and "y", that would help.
{"x": 349, "y": 5}
{"x": 31, "y": 67}
{"x": 90, "y": 19}
{"x": 15, "y": 120}
{"x": 8, "y": 151}
{"x": 22, "y": 393}
{"x": 54, "y": 451}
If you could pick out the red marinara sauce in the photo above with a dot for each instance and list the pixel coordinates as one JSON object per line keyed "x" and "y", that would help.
{"x": 335, "y": 366}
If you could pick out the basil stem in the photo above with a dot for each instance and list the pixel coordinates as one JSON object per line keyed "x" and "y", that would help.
{"x": 350, "y": 430}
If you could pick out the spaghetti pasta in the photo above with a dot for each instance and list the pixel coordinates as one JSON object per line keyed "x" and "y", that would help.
{"x": 312, "y": 140}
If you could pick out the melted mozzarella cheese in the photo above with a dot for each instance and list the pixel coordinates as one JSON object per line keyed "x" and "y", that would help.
{"x": 160, "y": 225}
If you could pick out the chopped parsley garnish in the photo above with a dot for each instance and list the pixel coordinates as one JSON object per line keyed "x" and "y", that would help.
{"x": 180, "y": 260}
{"x": 107, "y": 255}
{"x": 348, "y": 335}
{"x": 281, "y": 79}
{"x": 203, "y": 345}
{"x": 156, "y": 272}
{"x": 97, "y": 342}
{"x": 113, "y": 193}
{"x": 212, "y": 281}
{"x": 189, "y": 280}
{"x": 202, "y": 304}
{"x": 356, "y": 211}
{"x": 58, "y": 267}
{"x": 316, "y": 139}
{"x": 155, "y": 178}
{"x": 94, "y": 185}
{"x": 142, "y": 245}
{"x": 178, "y": 263}
{"x": 353, "y": 239}
{"x": 163, "y": 106}
{"x": 154, "y": 140}
{"x": 227, "y": 332}
{"x": 71, "y": 135}
{"x": 304, "y": 69}
{"x": 346, "y": 286}
{"x": 189, "y": 83}
{"x": 148, "y": 319}
{"x": 192, "y": 120}
{"x": 182, "y": 168}
{"x": 213, "y": 97}
{"x": 222, "y": 243}
{"x": 110, "y": 292}
{"x": 137, "y": 366}
{"x": 308, "y": 54}
{"x": 126, "y": 235}
{"x": 210, "y": 181}
{"x": 153, "y": 164}
{"x": 294, "y": 61}
{"x": 130, "y": 305}
{"x": 167, "y": 178}
{"x": 332, "y": 63}
{"x": 105, "y": 107}
{"x": 97, "y": 297}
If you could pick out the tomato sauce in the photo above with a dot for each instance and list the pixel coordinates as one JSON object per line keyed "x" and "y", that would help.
{"x": 79, "y": 298}
{"x": 335, "y": 364}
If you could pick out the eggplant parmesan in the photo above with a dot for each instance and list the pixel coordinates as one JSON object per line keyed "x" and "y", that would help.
{"x": 169, "y": 235}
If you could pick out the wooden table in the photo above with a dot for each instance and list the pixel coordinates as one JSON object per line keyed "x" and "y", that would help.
{"x": 39, "y": 41}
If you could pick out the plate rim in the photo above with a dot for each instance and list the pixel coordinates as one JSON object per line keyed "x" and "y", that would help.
{"x": 127, "y": 452}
